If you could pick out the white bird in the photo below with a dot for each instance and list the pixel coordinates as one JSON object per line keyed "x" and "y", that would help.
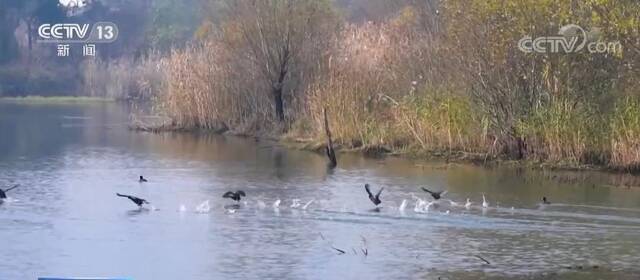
{"x": 403, "y": 205}
{"x": 295, "y": 203}
{"x": 183, "y": 208}
{"x": 453, "y": 203}
{"x": 307, "y": 205}
{"x": 420, "y": 205}
{"x": 203, "y": 207}
{"x": 485, "y": 204}
{"x": 468, "y": 204}
{"x": 276, "y": 204}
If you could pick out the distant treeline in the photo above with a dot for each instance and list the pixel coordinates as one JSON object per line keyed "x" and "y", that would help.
{"x": 147, "y": 27}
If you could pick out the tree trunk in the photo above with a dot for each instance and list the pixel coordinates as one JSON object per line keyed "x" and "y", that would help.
{"x": 277, "y": 98}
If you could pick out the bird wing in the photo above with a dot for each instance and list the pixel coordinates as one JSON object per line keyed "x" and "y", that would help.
{"x": 122, "y": 195}
{"x": 379, "y": 192}
{"x": 366, "y": 187}
{"x": 425, "y": 189}
{"x": 241, "y": 193}
{"x": 11, "y": 188}
{"x": 228, "y": 195}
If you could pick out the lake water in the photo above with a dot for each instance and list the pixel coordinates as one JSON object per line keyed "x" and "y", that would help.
{"x": 71, "y": 160}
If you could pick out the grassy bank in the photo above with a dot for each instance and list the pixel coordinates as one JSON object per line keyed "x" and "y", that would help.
{"x": 445, "y": 83}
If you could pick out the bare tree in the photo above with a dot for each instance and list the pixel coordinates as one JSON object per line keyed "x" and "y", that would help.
{"x": 276, "y": 35}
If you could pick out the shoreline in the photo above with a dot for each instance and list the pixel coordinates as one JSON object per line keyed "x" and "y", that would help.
{"x": 458, "y": 157}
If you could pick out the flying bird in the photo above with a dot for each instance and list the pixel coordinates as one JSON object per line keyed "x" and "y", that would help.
{"x": 435, "y": 195}
{"x": 142, "y": 179}
{"x": 3, "y": 194}
{"x": 375, "y": 199}
{"x": 138, "y": 201}
{"x": 234, "y": 195}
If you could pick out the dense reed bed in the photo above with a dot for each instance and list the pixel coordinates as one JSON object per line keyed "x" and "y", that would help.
{"x": 425, "y": 81}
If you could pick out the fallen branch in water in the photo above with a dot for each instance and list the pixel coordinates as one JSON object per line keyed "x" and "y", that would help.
{"x": 485, "y": 260}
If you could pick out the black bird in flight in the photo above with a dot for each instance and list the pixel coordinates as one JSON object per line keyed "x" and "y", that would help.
{"x": 375, "y": 199}
{"x": 142, "y": 179}
{"x": 234, "y": 195}
{"x": 3, "y": 194}
{"x": 138, "y": 201}
{"x": 545, "y": 201}
{"x": 435, "y": 195}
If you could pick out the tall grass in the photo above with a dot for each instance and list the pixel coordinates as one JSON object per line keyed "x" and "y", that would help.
{"x": 563, "y": 131}
{"x": 378, "y": 95}
{"x": 625, "y": 135}
{"x": 123, "y": 78}
{"x": 205, "y": 90}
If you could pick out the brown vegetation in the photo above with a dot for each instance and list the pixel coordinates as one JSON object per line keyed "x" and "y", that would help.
{"x": 440, "y": 77}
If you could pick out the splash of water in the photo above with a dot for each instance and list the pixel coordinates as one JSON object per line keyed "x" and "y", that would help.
{"x": 418, "y": 206}
{"x": 182, "y": 208}
{"x": 8, "y": 200}
{"x": 426, "y": 208}
{"x": 422, "y": 206}
{"x": 261, "y": 204}
{"x": 276, "y": 204}
{"x": 403, "y": 205}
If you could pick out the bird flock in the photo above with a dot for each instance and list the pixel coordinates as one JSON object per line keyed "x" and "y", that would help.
{"x": 421, "y": 205}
